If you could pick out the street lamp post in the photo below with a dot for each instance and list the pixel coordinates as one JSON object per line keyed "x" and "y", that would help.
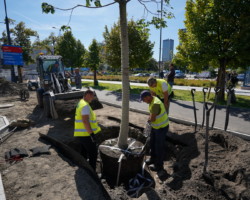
{"x": 53, "y": 39}
{"x": 13, "y": 78}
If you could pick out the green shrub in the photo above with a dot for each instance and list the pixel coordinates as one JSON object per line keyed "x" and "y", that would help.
{"x": 181, "y": 82}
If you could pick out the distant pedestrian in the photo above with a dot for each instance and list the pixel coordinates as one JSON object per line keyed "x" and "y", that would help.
{"x": 78, "y": 78}
{"x": 171, "y": 74}
{"x": 161, "y": 89}
{"x": 86, "y": 127}
{"x": 158, "y": 118}
{"x": 161, "y": 75}
{"x": 233, "y": 78}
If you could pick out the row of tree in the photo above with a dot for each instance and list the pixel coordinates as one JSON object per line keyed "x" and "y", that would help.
{"x": 74, "y": 53}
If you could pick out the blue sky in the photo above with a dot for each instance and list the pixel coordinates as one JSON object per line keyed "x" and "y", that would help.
{"x": 88, "y": 24}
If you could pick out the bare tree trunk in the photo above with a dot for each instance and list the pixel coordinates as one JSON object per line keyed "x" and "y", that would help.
{"x": 95, "y": 81}
{"x": 221, "y": 80}
{"x": 123, "y": 135}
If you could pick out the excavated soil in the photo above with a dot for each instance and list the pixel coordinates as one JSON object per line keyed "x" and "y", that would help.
{"x": 53, "y": 176}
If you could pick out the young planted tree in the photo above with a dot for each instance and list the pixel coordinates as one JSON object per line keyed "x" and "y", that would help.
{"x": 71, "y": 50}
{"x": 92, "y": 58}
{"x": 140, "y": 50}
{"x": 217, "y": 33}
{"x": 160, "y": 22}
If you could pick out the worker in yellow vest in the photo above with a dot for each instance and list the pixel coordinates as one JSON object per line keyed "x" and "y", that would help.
{"x": 161, "y": 89}
{"x": 158, "y": 119}
{"x": 86, "y": 127}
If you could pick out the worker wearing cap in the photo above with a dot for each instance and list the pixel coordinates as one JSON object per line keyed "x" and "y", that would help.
{"x": 86, "y": 127}
{"x": 161, "y": 89}
{"x": 158, "y": 119}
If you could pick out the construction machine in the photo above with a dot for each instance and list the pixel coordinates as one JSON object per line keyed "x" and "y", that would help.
{"x": 55, "y": 86}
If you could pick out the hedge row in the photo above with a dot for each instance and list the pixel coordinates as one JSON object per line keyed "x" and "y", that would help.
{"x": 181, "y": 82}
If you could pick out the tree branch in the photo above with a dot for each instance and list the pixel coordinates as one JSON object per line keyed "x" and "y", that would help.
{"x": 145, "y": 7}
{"x": 79, "y": 5}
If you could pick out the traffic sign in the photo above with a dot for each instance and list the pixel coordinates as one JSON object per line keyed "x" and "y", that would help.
{"x": 12, "y": 48}
{"x": 12, "y": 55}
{"x": 12, "y": 58}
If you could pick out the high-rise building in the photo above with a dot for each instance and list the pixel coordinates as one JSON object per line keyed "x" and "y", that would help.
{"x": 167, "y": 50}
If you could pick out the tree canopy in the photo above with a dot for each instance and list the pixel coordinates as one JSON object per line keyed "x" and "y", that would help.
{"x": 71, "y": 50}
{"x": 140, "y": 48}
{"x": 48, "y": 43}
{"x": 92, "y": 58}
{"x": 20, "y": 36}
{"x": 216, "y": 34}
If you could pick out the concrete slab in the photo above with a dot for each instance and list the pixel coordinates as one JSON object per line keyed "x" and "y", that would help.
{"x": 2, "y": 193}
{"x": 3, "y": 122}
{"x": 6, "y": 105}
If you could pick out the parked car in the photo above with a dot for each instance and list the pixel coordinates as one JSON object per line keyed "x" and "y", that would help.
{"x": 180, "y": 75}
{"x": 33, "y": 81}
{"x": 90, "y": 74}
{"x": 139, "y": 75}
{"x": 155, "y": 75}
{"x": 203, "y": 75}
{"x": 241, "y": 77}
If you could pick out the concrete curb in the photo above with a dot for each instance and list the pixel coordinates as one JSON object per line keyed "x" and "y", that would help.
{"x": 181, "y": 121}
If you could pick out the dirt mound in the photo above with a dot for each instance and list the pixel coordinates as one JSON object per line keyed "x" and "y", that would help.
{"x": 10, "y": 88}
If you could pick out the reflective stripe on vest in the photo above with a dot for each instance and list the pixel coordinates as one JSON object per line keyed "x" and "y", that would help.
{"x": 80, "y": 129}
{"x": 158, "y": 89}
{"x": 161, "y": 119}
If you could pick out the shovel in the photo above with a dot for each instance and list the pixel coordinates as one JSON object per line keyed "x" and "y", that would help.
{"x": 204, "y": 90}
{"x": 146, "y": 133}
{"x": 230, "y": 91}
{"x": 207, "y": 135}
{"x": 216, "y": 90}
{"x": 195, "y": 117}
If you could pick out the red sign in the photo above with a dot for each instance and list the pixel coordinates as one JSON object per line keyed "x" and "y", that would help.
{"x": 12, "y": 49}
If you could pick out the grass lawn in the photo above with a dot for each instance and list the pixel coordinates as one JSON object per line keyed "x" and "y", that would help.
{"x": 185, "y": 95}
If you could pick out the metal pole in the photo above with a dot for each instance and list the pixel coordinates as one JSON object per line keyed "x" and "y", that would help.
{"x": 13, "y": 79}
{"x": 195, "y": 117}
{"x": 229, "y": 96}
{"x": 7, "y": 24}
{"x": 160, "y": 42}
{"x": 216, "y": 91}
{"x": 204, "y": 90}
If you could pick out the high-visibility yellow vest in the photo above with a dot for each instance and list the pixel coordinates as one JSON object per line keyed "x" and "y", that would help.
{"x": 80, "y": 129}
{"x": 158, "y": 89}
{"x": 161, "y": 119}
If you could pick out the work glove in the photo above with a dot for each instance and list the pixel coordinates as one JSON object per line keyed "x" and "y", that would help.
{"x": 93, "y": 138}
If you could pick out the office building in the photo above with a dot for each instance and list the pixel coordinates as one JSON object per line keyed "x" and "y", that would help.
{"x": 167, "y": 50}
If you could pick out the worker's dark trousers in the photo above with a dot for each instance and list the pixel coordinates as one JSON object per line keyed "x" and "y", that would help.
{"x": 157, "y": 145}
{"x": 89, "y": 148}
